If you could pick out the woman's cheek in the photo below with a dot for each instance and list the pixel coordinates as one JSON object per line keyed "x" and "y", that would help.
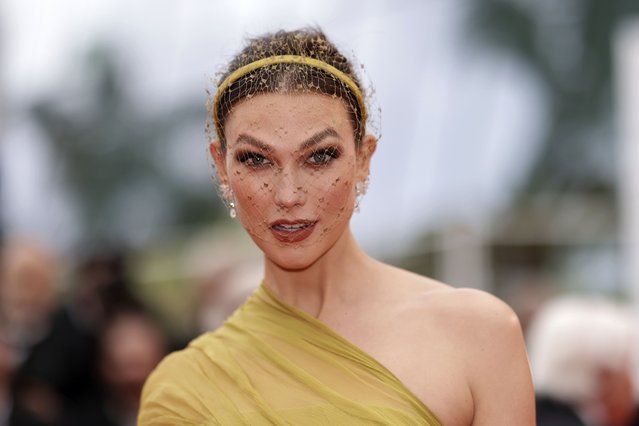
{"x": 338, "y": 196}
{"x": 251, "y": 196}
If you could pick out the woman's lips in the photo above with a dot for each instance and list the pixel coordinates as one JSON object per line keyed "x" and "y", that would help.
{"x": 292, "y": 231}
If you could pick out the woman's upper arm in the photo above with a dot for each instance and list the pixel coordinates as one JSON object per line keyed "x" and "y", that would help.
{"x": 500, "y": 377}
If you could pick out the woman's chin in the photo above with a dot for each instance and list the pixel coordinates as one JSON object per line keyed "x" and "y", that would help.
{"x": 292, "y": 260}
{"x": 290, "y": 257}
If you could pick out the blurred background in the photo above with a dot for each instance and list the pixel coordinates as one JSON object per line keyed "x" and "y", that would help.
{"x": 507, "y": 162}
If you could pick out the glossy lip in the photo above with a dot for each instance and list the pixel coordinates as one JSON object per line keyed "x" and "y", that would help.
{"x": 293, "y": 236}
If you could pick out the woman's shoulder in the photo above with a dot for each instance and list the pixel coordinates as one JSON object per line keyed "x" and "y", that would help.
{"x": 472, "y": 337}
{"x": 487, "y": 340}
{"x": 174, "y": 364}
{"x": 172, "y": 391}
{"x": 174, "y": 372}
{"x": 477, "y": 343}
{"x": 165, "y": 396}
{"x": 473, "y": 324}
{"x": 463, "y": 309}
{"x": 469, "y": 307}
{"x": 179, "y": 365}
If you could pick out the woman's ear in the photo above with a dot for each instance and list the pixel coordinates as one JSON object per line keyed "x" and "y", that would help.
{"x": 219, "y": 159}
{"x": 366, "y": 151}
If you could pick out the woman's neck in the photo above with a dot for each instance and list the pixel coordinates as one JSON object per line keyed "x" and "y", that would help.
{"x": 333, "y": 280}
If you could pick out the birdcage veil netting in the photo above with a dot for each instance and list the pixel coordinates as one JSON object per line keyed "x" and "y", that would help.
{"x": 289, "y": 115}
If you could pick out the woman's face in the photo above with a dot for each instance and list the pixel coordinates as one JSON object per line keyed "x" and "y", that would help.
{"x": 292, "y": 164}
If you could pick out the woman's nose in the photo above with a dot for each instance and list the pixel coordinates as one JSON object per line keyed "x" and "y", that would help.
{"x": 289, "y": 190}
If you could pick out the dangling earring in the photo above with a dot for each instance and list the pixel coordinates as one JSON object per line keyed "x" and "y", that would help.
{"x": 360, "y": 191}
{"x": 228, "y": 197}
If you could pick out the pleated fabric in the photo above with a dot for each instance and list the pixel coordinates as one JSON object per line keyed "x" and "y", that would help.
{"x": 273, "y": 364}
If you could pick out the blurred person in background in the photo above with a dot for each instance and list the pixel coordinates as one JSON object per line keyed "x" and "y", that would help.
{"x": 131, "y": 344}
{"x": 102, "y": 286}
{"x": 28, "y": 290}
{"x": 28, "y": 301}
{"x": 9, "y": 358}
{"x": 581, "y": 352}
{"x": 57, "y": 380}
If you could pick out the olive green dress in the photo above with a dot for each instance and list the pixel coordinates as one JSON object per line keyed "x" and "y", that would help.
{"x": 273, "y": 364}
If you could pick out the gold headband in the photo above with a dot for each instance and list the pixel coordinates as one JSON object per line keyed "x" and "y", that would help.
{"x": 288, "y": 59}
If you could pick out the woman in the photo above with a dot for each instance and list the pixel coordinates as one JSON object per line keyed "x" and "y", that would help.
{"x": 331, "y": 336}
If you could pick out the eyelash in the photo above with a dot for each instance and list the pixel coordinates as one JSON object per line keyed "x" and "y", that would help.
{"x": 253, "y": 160}
{"x": 317, "y": 159}
{"x": 327, "y": 156}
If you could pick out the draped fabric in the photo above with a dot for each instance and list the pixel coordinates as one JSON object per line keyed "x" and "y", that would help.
{"x": 273, "y": 364}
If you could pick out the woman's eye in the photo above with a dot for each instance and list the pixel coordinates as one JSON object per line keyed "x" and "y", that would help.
{"x": 253, "y": 159}
{"x": 323, "y": 156}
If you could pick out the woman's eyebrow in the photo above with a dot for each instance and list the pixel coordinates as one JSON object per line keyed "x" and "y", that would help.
{"x": 313, "y": 140}
{"x": 244, "y": 138}
{"x": 319, "y": 137}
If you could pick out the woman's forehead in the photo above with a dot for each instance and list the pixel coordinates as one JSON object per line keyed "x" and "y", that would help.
{"x": 287, "y": 116}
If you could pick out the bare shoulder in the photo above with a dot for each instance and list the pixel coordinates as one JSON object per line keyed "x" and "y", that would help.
{"x": 426, "y": 296}
{"x": 470, "y": 325}
{"x": 492, "y": 353}
{"x": 475, "y": 321}
{"x": 477, "y": 343}
{"x": 464, "y": 309}
{"x": 484, "y": 329}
